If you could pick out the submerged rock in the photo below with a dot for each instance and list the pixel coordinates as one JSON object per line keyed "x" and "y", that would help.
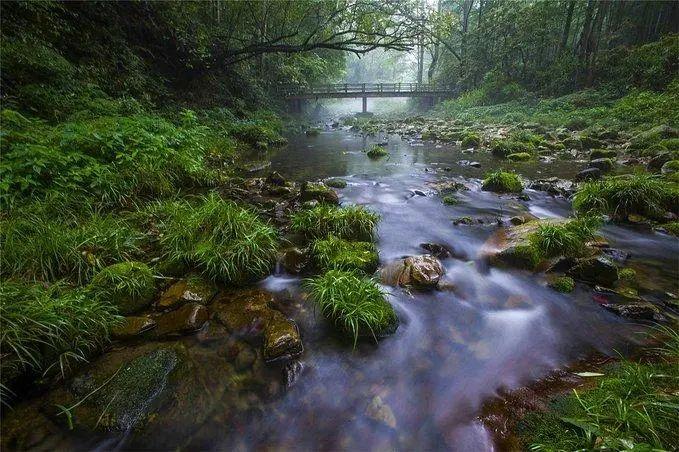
{"x": 191, "y": 289}
{"x": 635, "y": 311}
{"x": 437, "y": 250}
{"x": 597, "y": 270}
{"x": 381, "y": 412}
{"x": 318, "y": 191}
{"x": 132, "y": 327}
{"x": 419, "y": 271}
{"x": 187, "y": 319}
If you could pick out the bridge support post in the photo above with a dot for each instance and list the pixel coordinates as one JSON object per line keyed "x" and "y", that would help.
{"x": 365, "y": 105}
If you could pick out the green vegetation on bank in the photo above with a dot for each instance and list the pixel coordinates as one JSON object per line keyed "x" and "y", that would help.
{"x": 334, "y": 253}
{"x": 567, "y": 238}
{"x": 633, "y": 407}
{"x": 348, "y": 223}
{"x": 502, "y": 182}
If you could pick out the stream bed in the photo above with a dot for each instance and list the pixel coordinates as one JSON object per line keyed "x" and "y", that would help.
{"x": 423, "y": 387}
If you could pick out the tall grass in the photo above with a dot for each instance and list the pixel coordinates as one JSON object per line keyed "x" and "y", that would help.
{"x": 334, "y": 253}
{"x": 564, "y": 239}
{"x": 347, "y": 223}
{"x": 641, "y": 194}
{"x": 355, "y": 304}
{"x": 226, "y": 241}
{"x": 502, "y": 182}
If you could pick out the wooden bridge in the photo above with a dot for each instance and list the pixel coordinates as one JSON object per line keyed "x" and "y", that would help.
{"x": 430, "y": 91}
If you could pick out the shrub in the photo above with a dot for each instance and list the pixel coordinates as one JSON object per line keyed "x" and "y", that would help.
{"x": 564, "y": 239}
{"x": 376, "y": 151}
{"x": 347, "y": 223}
{"x": 227, "y": 242}
{"x": 49, "y": 326}
{"x": 129, "y": 286}
{"x": 39, "y": 247}
{"x": 502, "y": 182}
{"x": 354, "y": 304}
{"x": 333, "y": 253}
{"x": 640, "y": 194}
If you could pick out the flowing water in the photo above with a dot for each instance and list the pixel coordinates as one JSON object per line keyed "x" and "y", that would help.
{"x": 498, "y": 329}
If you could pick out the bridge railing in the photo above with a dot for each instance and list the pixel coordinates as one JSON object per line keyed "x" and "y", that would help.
{"x": 357, "y": 88}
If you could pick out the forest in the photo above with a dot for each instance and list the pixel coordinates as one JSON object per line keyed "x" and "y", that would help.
{"x": 339, "y": 225}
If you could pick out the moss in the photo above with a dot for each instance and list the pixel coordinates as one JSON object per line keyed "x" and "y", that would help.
{"x": 347, "y": 223}
{"x": 355, "y": 305}
{"x": 653, "y": 136}
{"x": 602, "y": 153}
{"x": 129, "y": 286}
{"x": 502, "y": 182}
{"x": 627, "y": 274}
{"x": 450, "y": 200}
{"x": 502, "y": 148}
{"x": 336, "y": 183}
{"x": 519, "y": 157}
{"x": 376, "y": 151}
{"x": 672, "y": 228}
{"x": 524, "y": 256}
{"x": 564, "y": 284}
{"x": 470, "y": 140}
{"x": 333, "y": 253}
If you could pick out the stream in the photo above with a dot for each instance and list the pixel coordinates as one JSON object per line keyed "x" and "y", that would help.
{"x": 423, "y": 387}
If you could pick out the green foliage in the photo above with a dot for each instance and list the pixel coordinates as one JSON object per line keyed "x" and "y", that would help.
{"x": 655, "y": 136}
{"x": 42, "y": 248}
{"x": 502, "y": 182}
{"x": 355, "y": 304}
{"x": 227, "y": 242}
{"x": 347, "y": 223}
{"x": 450, "y": 200}
{"x": 563, "y": 284}
{"x": 333, "y": 253}
{"x": 640, "y": 194}
{"x": 376, "y": 151}
{"x": 672, "y": 228}
{"x": 127, "y": 285}
{"x": 632, "y": 408}
{"x": 627, "y": 274}
{"x": 46, "y": 326}
{"x": 505, "y": 147}
{"x": 564, "y": 239}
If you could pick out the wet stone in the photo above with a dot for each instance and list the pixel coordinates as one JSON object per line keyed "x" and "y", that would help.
{"x": 294, "y": 260}
{"x": 635, "y": 311}
{"x": 597, "y": 270}
{"x": 588, "y": 174}
{"x": 281, "y": 338}
{"x": 192, "y": 289}
{"x": 275, "y": 179}
{"x": 318, "y": 191}
{"x": 437, "y": 250}
{"x": 187, "y": 319}
{"x": 379, "y": 411}
{"x": 419, "y": 271}
{"x": 132, "y": 326}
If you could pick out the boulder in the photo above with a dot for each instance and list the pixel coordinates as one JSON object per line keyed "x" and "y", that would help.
{"x": 318, "y": 191}
{"x": 190, "y": 290}
{"x": 597, "y": 270}
{"x": 187, "y": 319}
{"x": 605, "y": 165}
{"x": 281, "y": 338}
{"x": 588, "y": 174}
{"x": 418, "y": 271}
{"x": 132, "y": 326}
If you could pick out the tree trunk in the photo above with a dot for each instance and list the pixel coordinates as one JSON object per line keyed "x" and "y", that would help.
{"x": 567, "y": 27}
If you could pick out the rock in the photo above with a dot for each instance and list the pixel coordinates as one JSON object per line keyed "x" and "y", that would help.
{"x": 132, "y": 327}
{"x": 418, "y": 271}
{"x": 192, "y": 289}
{"x": 318, "y": 191}
{"x": 475, "y": 164}
{"x": 603, "y": 164}
{"x": 463, "y": 220}
{"x": 275, "y": 179}
{"x": 670, "y": 167}
{"x": 336, "y": 183}
{"x": 634, "y": 311}
{"x": 437, "y": 250}
{"x": 281, "y": 338}
{"x": 294, "y": 260}
{"x": 279, "y": 191}
{"x": 656, "y": 163}
{"x": 597, "y": 270}
{"x": 212, "y": 332}
{"x": 253, "y": 167}
{"x": 380, "y": 412}
{"x": 588, "y": 174}
{"x": 419, "y": 193}
{"x": 187, "y": 319}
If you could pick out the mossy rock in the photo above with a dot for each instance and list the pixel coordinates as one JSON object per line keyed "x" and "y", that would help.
{"x": 523, "y": 256}
{"x": 336, "y": 183}
{"x": 563, "y": 284}
{"x": 318, "y": 191}
{"x": 450, "y": 200}
{"x": 376, "y": 151}
{"x": 192, "y": 289}
{"x": 670, "y": 167}
{"x": 653, "y": 136}
{"x": 502, "y": 182}
{"x": 672, "y": 228}
{"x": 605, "y": 165}
{"x": 602, "y": 153}
{"x": 313, "y": 132}
{"x": 470, "y": 140}
{"x": 519, "y": 157}
{"x": 129, "y": 286}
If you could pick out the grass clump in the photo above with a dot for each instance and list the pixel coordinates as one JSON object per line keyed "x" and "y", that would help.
{"x": 40, "y": 247}
{"x": 347, "y": 223}
{"x": 502, "y": 182}
{"x": 49, "y": 326}
{"x": 563, "y": 284}
{"x": 450, "y": 200}
{"x": 564, "y": 239}
{"x": 639, "y": 194}
{"x": 634, "y": 407}
{"x": 129, "y": 286}
{"x": 471, "y": 140}
{"x": 333, "y": 253}
{"x": 376, "y": 151}
{"x": 355, "y": 304}
{"x": 503, "y": 148}
{"x": 227, "y": 242}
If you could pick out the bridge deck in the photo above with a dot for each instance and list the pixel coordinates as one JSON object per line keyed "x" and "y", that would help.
{"x": 356, "y": 90}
